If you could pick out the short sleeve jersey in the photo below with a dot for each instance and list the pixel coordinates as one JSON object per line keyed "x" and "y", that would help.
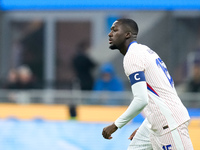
{"x": 165, "y": 110}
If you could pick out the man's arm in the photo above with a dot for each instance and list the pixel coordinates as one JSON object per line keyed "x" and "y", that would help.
{"x": 139, "y": 89}
{"x": 133, "y": 134}
{"x": 137, "y": 105}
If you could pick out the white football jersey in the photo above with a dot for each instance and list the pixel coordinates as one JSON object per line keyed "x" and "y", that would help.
{"x": 165, "y": 110}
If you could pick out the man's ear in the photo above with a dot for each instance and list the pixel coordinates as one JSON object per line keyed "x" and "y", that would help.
{"x": 128, "y": 35}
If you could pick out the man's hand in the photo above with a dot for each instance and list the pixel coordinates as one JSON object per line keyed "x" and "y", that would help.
{"x": 133, "y": 134}
{"x": 107, "y": 131}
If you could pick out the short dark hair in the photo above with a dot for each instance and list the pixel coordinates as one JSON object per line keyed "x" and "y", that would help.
{"x": 130, "y": 23}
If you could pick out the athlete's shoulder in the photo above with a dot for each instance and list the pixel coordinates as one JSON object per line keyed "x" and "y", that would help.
{"x": 136, "y": 48}
{"x": 134, "y": 59}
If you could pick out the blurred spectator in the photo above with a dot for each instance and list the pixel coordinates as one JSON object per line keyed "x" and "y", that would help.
{"x": 25, "y": 78}
{"x": 12, "y": 81}
{"x": 108, "y": 80}
{"x": 83, "y": 67}
{"x": 32, "y": 43}
{"x": 194, "y": 83}
{"x": 19, "y": 79}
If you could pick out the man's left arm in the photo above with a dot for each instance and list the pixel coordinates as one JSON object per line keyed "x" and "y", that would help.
{"x": 140, "y": 100}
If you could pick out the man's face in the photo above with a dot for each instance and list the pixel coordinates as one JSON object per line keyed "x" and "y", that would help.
{"x": 116, "y": 36}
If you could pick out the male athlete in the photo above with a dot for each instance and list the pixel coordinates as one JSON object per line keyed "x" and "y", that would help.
{"x": 166, "y": 124}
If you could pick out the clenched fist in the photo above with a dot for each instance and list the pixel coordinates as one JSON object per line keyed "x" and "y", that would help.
{"x": 107, "y": 131}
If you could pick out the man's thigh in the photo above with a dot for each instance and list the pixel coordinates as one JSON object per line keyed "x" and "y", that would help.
{"x": 177, "y": 139}
{"x": 141, "y": 140}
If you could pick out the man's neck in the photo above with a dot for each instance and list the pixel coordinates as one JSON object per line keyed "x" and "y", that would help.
{"x": 124, "y": 49}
